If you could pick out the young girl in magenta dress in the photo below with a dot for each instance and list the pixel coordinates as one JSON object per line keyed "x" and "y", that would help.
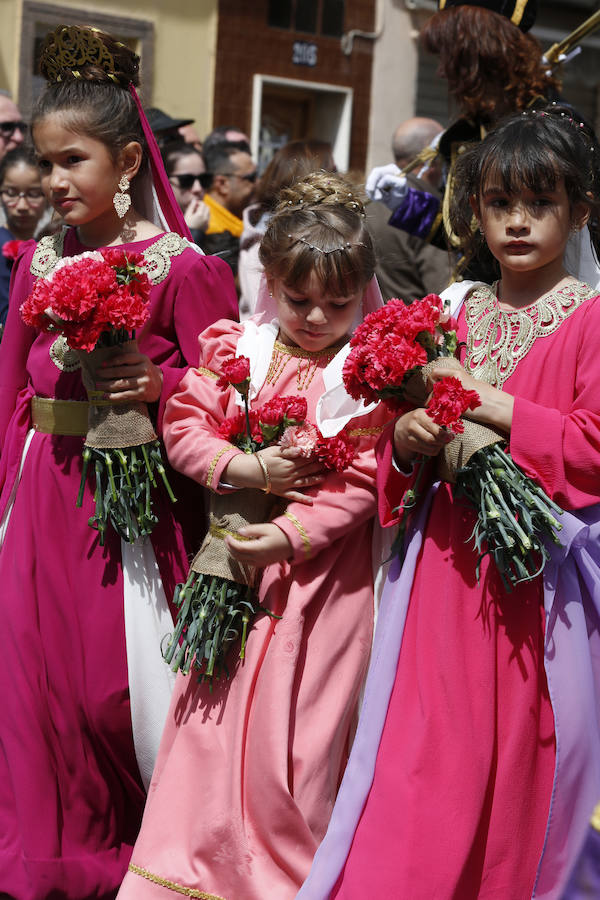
{"x": 247, "y": 774}
{"x": 74, "y": 751}
{"x": 476, "y": 763}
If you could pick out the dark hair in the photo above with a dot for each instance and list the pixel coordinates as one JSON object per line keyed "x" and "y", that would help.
{"x": 92, "y": 94}
{"x": 319, "y": 227}
{"x": 217, "y": 137}
{"x": 24, "y": 153}
{"x": 217, "y": 157}
{"x": 535, "y": 149}
{"x": 173, "y": 152}
{"x": 493, "y": 69}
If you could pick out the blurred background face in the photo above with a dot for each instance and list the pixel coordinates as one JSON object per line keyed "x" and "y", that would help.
{"x": 242, "y": 180}
{"x": 23, "y": 200}
{"x": 184, "y": 179}
{"x": 12, "y": 127}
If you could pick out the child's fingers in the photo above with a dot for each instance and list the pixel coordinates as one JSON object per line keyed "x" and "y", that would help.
{"x": 298, "y": 497}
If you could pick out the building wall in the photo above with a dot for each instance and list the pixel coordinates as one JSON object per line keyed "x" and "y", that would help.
{"x": 393, "y": 92}
{"x": 184, "y": 48}
{"x": 247, "y": 46}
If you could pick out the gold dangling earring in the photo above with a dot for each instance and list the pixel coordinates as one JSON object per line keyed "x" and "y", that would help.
{"x": 122, "y": 200}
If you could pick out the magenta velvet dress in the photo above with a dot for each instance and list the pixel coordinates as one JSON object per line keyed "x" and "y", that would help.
{"x": 247, "y": 775}
{"x": 459, "y": 805}
{"x": 71, "y": 798}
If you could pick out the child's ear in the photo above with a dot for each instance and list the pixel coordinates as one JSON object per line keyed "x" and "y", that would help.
{"x": 130, "y": 158}
{"x": 580, "y": 216}
{"x": 475, "y": 207}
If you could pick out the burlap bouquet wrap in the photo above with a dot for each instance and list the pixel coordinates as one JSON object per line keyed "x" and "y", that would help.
{"x": 111, "y": 424}
{"x": 459, "y": 451}
{"x": 124, "y": 452}
{"x": 218, "y": 602}
{"x": 227, "y": 514}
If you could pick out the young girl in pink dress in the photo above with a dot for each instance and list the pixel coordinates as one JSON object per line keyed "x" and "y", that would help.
{"x": 83, "y": 686}
{"x": 476, "y": 763}
{"x": 247, "y": 774}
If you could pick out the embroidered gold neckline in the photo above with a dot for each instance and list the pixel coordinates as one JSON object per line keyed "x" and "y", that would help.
{"x": 307, "y": 354}
{"x": 499, "y": 339}
{"x": 308, "y": 362}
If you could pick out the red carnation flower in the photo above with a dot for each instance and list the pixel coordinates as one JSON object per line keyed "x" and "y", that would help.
{"x": 296, "y": 409}
{"x": 11, "y": 249}
{"x": 449, "y": 401}
{"x": 335, "y": 452}
{"x": 235, "y": 372}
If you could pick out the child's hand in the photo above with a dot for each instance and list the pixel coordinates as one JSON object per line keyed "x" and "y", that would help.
{"x": 268, "y": 545}
{"x": 129, "y": 376}
{"x": 416, "y": 433}
{"x": 288, "y": 473}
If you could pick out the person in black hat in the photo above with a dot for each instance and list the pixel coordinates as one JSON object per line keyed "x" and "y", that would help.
{"x": 493, "y": 68}
{"x": 165, "y": 127}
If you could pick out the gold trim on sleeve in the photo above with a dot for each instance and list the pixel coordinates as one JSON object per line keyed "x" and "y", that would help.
{"x": 213, "y": 465}
{"x": 595, "y": 820}
{"x": 302, "y": 532}
{"x": 172, "y": 885}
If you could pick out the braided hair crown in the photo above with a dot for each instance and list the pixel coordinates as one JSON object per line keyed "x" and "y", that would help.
{"x": 319, "y": 229}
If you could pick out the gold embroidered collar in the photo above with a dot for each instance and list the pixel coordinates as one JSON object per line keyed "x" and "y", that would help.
{"x": 157, "y": 255}
{"x": 499, "y": 339}
{"x": 280, "y": 347}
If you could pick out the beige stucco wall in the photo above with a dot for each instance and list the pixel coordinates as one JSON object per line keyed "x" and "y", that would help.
{"x": 394, "y": 78}
{"x": 184, "y": 49}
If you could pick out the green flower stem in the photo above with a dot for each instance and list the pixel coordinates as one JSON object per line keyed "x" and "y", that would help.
{"x": 111, "y": 477}
{"x": 86, "y": 456}
{"x": 157, "y": 458}
{"x": 123, "y": 463}
{"x": 247, "y": 411}
{"x": 149, "y": 467}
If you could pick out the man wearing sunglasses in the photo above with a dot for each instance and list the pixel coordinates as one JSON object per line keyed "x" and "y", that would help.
{"x": 229, "y": 183}
{"x": 12, "y": 126}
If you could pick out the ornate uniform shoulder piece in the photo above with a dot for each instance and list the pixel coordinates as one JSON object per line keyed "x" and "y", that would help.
{"x": 47, "y": 253}
{"x": 158, "y": 255}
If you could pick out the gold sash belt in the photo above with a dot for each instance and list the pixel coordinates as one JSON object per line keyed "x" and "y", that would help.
{"x": 66, "y": 417}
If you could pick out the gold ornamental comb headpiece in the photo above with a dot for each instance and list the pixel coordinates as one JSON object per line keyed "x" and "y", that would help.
{"x": 70, "y": 47}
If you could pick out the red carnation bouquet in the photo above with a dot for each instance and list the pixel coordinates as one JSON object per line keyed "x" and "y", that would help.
{"x": 391, "y": 353}
{"x": 218, "y": 602}
{"x": 97, "y": 300}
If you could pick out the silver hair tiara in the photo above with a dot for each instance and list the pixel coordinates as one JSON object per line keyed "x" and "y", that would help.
{"x": 347, "y": 245}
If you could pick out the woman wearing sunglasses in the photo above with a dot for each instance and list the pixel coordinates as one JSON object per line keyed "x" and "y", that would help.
{"x": 24, "y": 205}
{"x": 187, "y": 173}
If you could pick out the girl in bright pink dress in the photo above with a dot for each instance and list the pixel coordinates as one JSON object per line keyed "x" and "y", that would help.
{"x": 476, "y": 763}
{"x": 83, "y": 687}
{"x": 248, "y": 771}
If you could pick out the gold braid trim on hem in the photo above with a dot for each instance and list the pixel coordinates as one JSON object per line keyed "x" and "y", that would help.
{"x": 300, "y": 528}
{"x": 595, "y": 820}
{"x": 213, "y": 465}
{"x": 172, "y": 885}
{"x": 208, "y": 372}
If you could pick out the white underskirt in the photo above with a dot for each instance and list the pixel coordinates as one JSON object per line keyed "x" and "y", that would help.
{"x": 147, "y": 621}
